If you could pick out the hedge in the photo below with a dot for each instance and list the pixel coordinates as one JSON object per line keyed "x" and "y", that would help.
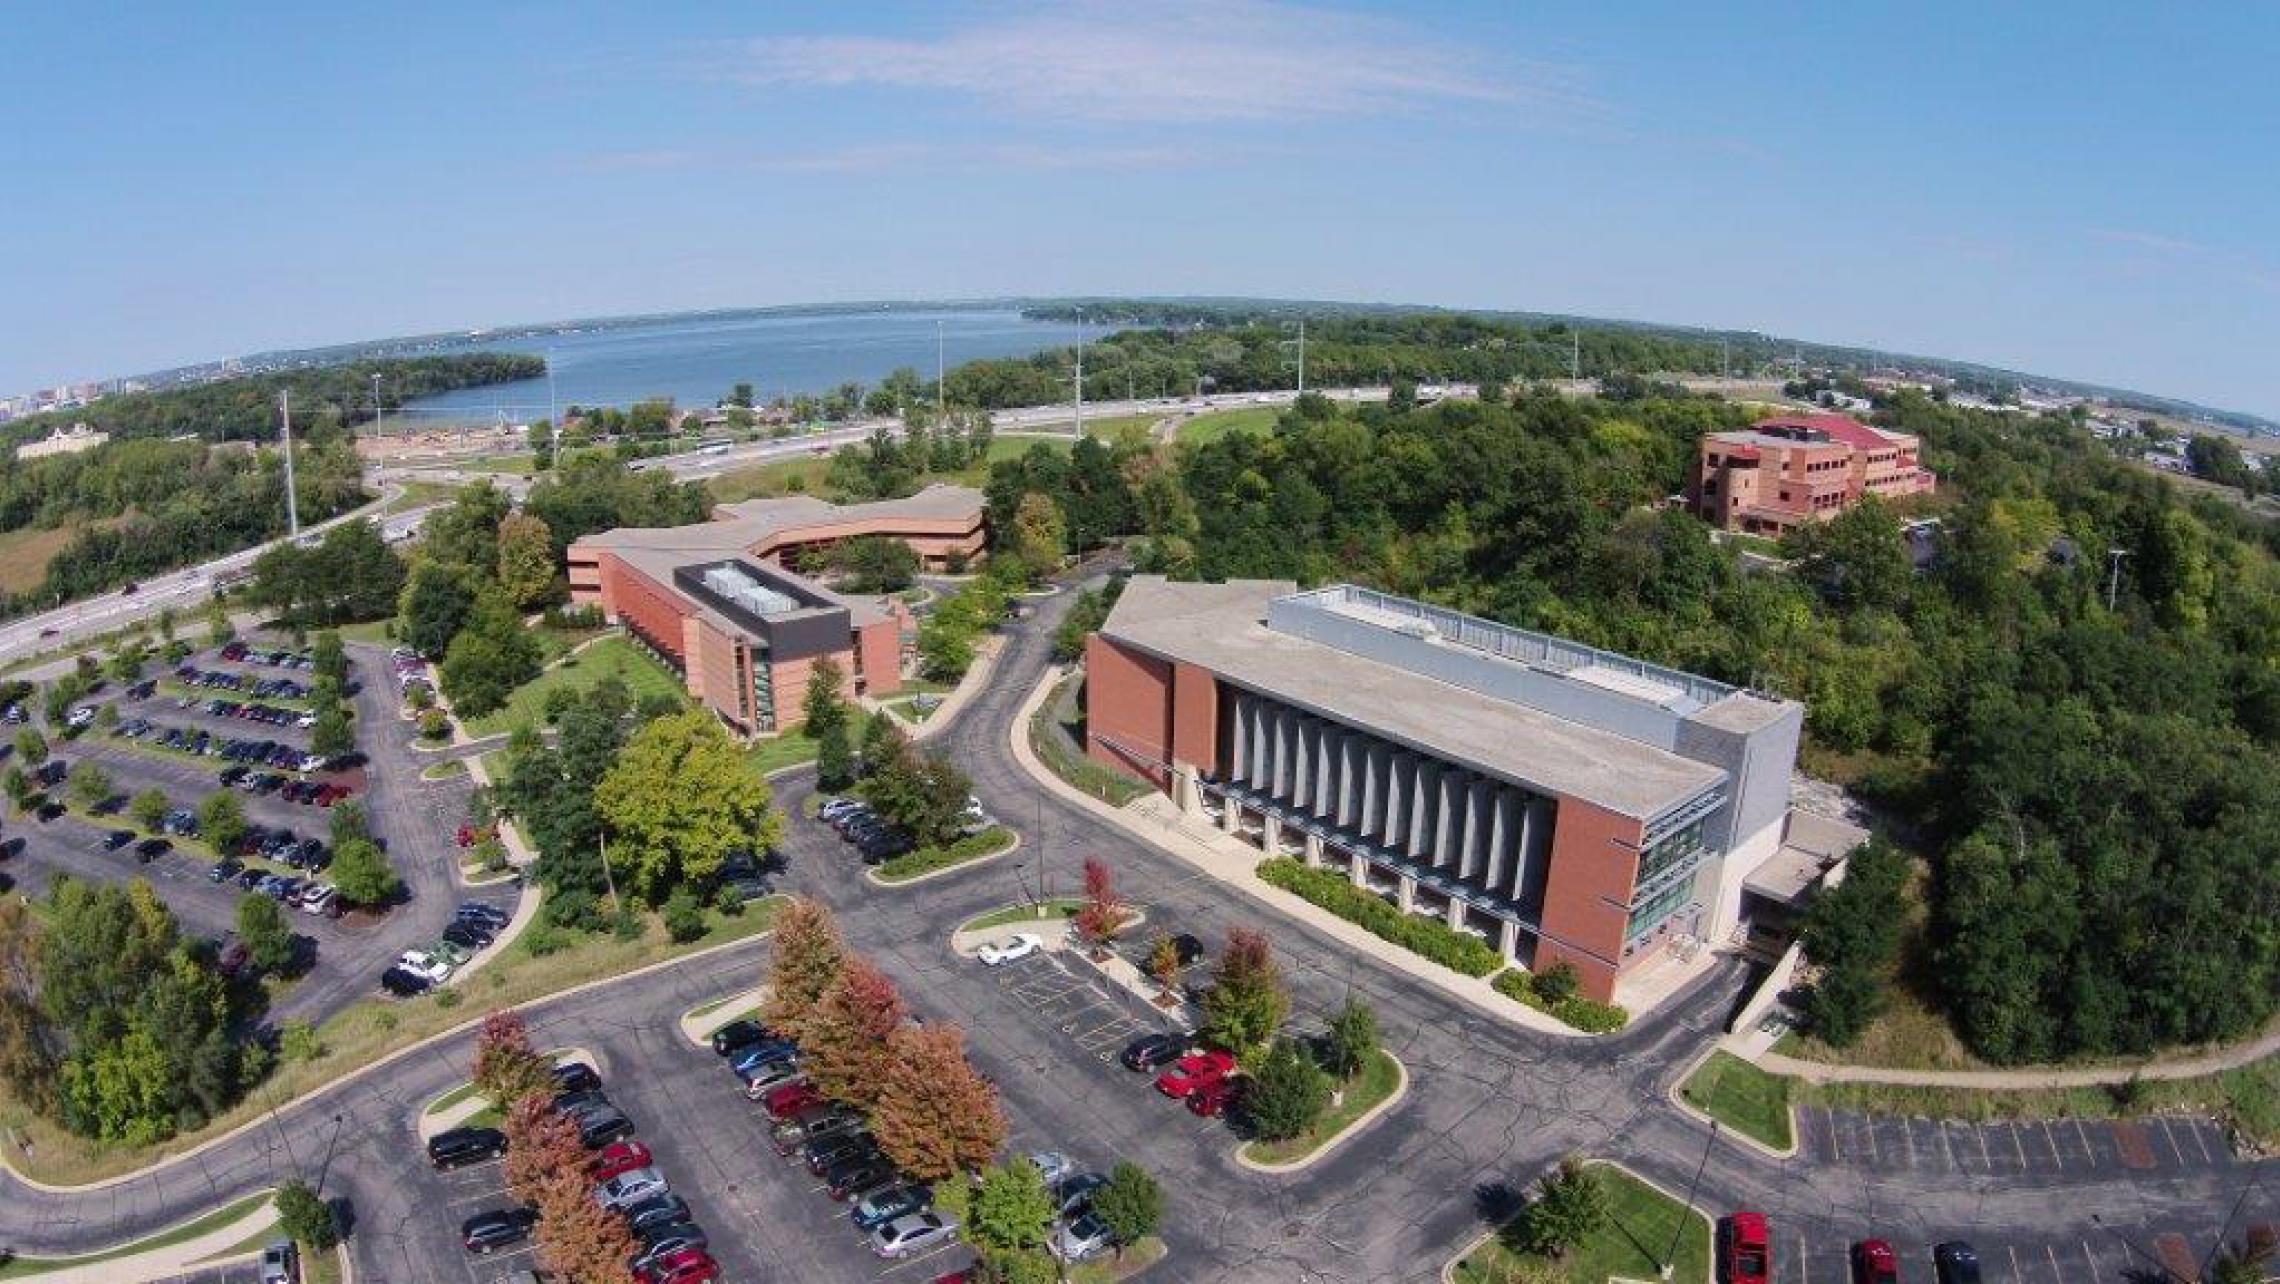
{"x": 1336, "y": 893}
{"x": 1582, "y": 1013}
{"x": 926, "y": 860}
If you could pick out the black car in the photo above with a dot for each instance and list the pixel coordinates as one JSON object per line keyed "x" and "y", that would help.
{"x": 50, "y": 810}
{"x": 814, "y": 1124}
{"x": 150, "y": 849}
{"x": 853, "y": 1178}
{"x": 737, "y": 1035}
{"x": 582, "y": 1102}
{"x": 117, "y": 838}
{"x": 1152, "y": 1052}
{"x": 225, "y": 869}
{"x": 483, "y": 915}
{"x": 1190, "y": 949}
{"x": 250, "y": 877}
{"x": 1956, "y": 1262}
{"x": 664, "y": 1241}
{"x": 574, "y": 1076}
{"x": 459, "y": 1147}
{"x": 602, "y": 1127}
{"x": 467, "y": 936}
{"x": 825, "y": 1153}
{"x": 499, "y": 1228}
{"x": 658, "y": 1210}
{"x": 399, "y": 981}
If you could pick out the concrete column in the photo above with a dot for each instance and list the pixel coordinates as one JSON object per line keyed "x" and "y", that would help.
{"x": 1377, "y": 769}
{"x": 1230, "y": 814}
{"x": 1302, "y": 750}
{"x": 1358, "y": 869}
{"x": 1284, "y": 734}
{"x": 1508, "y": 940}
{"x": 1238, "y": 744}
{"x": 1400, "y": 781}
{"x": 1353, "y": 760}
{"x": 1313, "y": 849}
{"x": 1449, "y": 816}
{"x": 1329, "y": 739}
{"x": 1406, "y": 898}
{"x": 1456, "y": 914}
{"x": 1255, "y": 733}
{"x": 1499, "y": 839}
{"x": 1421, "y": 799}
{"x": 1480, "y": 816}
{"x": 1270, "y": 834}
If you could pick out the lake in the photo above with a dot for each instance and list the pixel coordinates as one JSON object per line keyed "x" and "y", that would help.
{"x": 696, "y": 360}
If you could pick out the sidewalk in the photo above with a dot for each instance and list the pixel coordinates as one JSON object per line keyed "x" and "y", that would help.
{"x": 2195, "y": 1067}
{"x": 1154, "y": 820}
{"x": 174, "y": 1259}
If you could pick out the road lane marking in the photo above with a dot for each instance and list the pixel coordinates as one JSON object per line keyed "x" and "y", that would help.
{"x": 1984, "y": 1157}
{"x": 2050, "y": 1139}
{"x": 2091, "y": 1258}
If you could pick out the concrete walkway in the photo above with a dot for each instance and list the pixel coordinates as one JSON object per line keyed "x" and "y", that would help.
{"x": 2193, "y": 1067}
{"x": 1154, "y": 820}
{"x": 175, "y": 1259}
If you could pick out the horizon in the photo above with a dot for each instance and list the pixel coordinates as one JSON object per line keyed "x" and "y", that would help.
{"x": 1892, "y": 188}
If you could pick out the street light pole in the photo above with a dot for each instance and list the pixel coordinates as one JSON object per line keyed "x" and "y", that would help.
{"x": 1669, "y": 1262}
{"x": 285, "y": 436}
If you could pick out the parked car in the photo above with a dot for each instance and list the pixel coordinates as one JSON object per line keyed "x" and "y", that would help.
{"x": 811, "y": 1124}
{"x": 459, "y": 1147}
{"x": 1054, "y": 1166}
{"x": 281, "y": 1263}
{"x": 658, "y": 1210}
{"x": 737, "y": 1035}
{"x": 767, "y": 1076}
{"x": 1020, "y": 946}
{"x": 689, "y": 1266}
{"x": 1874, "y": 1262}
{"x": 823, "y": 1154}
{"x": 882, "y": 1206}
{"x": 1215, "y": 1098}
{"x": 117, "y": 838}
{"x": 618, "y": 1157}
{"x": 1955, "y": 1262}
{"x": 667, "y": 1241}
{"x": 150, "y": 849}
{"x": 912, "y": 1234}
{"x": 1745, "y": 1249}
{"x": 322, "y": 899}
{"x": 1152, "y": 1052}
{"x": 1075, "y": 1193}
{"x": 421, "y": 963}
{"x": 403, "y": 984}
{"x": 790, "y": 1099}
{"x": 1193, "y": 1071}
{"x": 604, "y": 1126}
{"x": 1082, "y": 1238}
{"x": 627, "y": 1189}
{"x": 225, "y": 869}
{"x": 488, "y": 1232}
{"x": 752, "y": 1056}
{"x": 859, "y": 1176}
{"x": 467, "y": 937}
{"x": 488, "y": 915}
{"x": 574, "y": 1076}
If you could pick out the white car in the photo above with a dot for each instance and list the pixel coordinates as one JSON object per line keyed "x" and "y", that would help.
{"x": 318, "y": 899}
{"x": 83, "y": 715}
{"x": 1054, "y": 1166}
{"x": 912, "y": 1233}
{"x": 630, "y": 1188}
{"x": 1085, "y": 1237}
{"x": 424, "y": 965}
{"x": 1019, "y": 946}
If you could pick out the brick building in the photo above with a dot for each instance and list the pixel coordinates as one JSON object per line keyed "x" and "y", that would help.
{"x": 716, "y": 601}
{"x": 1786, "y": 472}
{"x": 1561, "y": 803}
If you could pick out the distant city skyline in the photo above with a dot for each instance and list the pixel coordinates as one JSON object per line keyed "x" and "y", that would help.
{"x": 2077, "y": 195}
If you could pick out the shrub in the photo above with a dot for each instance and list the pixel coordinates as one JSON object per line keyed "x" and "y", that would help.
{"x": 1336, "y": 893}
{"x": 926, "y": 860}
{"x": 448, "y": 998}
{"x": 434, "y": 725}
{"x": 298, "y": 1041}
{"x": 1584, "y": 1014}
{"x": 684, "y": 917}
{"x": 542, "y": 939}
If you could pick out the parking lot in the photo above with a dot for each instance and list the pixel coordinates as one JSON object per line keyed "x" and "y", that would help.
{"x": 1100, "y": 1018}
{"x": 2123, "y": 1252}
{"x": 2028, "y": 1148}
{"x": 465, "y": 1192}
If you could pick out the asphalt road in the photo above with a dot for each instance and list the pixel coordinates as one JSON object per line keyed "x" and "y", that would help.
{"x": 1490, "y": 1106}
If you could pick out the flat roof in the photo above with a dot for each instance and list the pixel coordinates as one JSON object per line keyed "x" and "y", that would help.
{"x": 658, "y": 565}
{"x": 1222, "y": 627}
{"x": 738, "y": 527}
{"x": 1809, "y": 846}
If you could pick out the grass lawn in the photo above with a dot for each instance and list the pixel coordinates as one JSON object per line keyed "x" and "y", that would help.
{"x": 372, "y": 631}
{"x": 444, "y": 770}
{"x": 805, "y": 474}
{"x": 1742, "y": 1097}
{"x": 517, "y": 465}
{"x": 611, "y": 657}
{"x": 994, "y": 841}
{"x": 367, "y": 1031}
{"x": 25, "y": 554}
{"x": 1219, "y": 423}
{"x": 1060, "y": 907}
{"x": 417, "y": 493}
{"x": 1106, "y": 1270}
{"x": 30, "y": 1267}
{"x": 910, "y": 710}
{"x": 1374, "y": 1084}
{"x": 778, "y": 752}
{"x": 1639, "y": 1227}
{"x": 707, "y": 1009}
{"x": 449, "y": 1099}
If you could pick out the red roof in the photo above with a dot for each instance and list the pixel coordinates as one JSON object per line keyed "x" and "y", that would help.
{"x": 1844, "y": 428}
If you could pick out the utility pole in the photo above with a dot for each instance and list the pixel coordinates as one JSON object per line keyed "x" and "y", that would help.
{"x": 553, "y": 416}
{"x": 1302, "y": 356}
{"x": 2114, "y": 558}
{"x": 1080, "y": 384}
{"x": 285, "y": 436}
{"x": 377, "y": 429}
{"x": 1575, "y": 356}
{"x": 608, "y": 880}
{"x": 1669, "y": 1263}
{"x": 941, "y": 388}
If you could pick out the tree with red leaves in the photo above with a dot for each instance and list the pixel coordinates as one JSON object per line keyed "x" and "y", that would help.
{"x": 936, "y": 1116}
{"x": 1104, "y": 913}
{"x": 541, "y": 1141}
{"x": 805, "y": 959}
{"x": 507, "y": 1067}
{"x": 1246, "y": 1003}
{"x": 844, "y": 1047}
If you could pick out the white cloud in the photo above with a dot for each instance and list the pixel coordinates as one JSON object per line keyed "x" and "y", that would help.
{"x": 877, "y": 158}
{"x": 2148, "y": 240}
{"x": 1167, "y": 62}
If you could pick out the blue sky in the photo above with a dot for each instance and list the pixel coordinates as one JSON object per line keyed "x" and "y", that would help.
{"x": 2082, "y": 191}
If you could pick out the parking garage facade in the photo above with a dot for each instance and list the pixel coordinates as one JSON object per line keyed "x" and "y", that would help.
{"x": 1559, "y": 803}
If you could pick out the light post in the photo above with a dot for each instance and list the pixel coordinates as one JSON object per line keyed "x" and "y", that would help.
{"x": 1669, "y": 1262}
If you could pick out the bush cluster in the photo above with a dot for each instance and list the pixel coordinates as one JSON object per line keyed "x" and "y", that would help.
{"x": 926, "y": 860}
{"x": 1584, "y": 1014}
{"x": 1429, "y": 937}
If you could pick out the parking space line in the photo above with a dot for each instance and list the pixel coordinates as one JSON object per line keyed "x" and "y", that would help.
{"x": 2017, "y": 1145}
{"x": 1949, "y": 1143}
{"x": 1908, "y": 1136}
{"x": 2050, "y": 1139}
{"x": 1984, "y": 1156}
{"x": 1869, "y": 1126}
{"x": 2091, "y": 1258}
{"x": 2089, "y": 1150}
{"x": 2016, "y": 1277}
{"x": 2201, "y": 1130}
{"x": 2171, "y": 1138}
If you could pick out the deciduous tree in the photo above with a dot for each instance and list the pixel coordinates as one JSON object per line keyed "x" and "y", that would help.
{"x": 681, "y": 798}
{"x": 268, "y": 938}
{"x": 1131, "y": 1205}
{"x": 1352, "y": 1039}
{"x": 489, "y": 657}
{"x": 1246, "y": 1003}
{"x": 436, "y": 601}
{"x": 1011, "y": 1210}
{"x": 221, "y": 820}
{"x": 362, "y": 873}
{"x": 805, "y": 957}
{"x": 1104, "y": 913}
{"x": 507, "y": 1067}
{"x": 526, "y": 560}
{"x": 1288, "y": 1093}
{"x": 843, "y": 1040}
{"x": 90, "y": 784}
{"x": 934, "y": 1114}
{"x": 148, "y": 809}
{"x": 541, "y": 1141}
{"x": 1571, "y": 1206}
{"x": 305, "y": 1217}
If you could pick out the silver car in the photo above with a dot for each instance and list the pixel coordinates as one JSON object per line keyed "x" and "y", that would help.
{"x": 1085, "y": 1237}
{"x": 913, "y": 1233}
{"x": 630, "y": 1188}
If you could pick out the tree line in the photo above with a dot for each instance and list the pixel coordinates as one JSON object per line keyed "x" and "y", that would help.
{"x": 2097, "y": 791}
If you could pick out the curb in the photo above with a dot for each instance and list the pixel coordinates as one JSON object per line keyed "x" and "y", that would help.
{"x": 1449, "y": 1267}
{"x": 1343, "y": 1135}
{"x": 431, "y": 1121}
{"x": 699, "y": 1029}
{"x": 970, "y": 684}
{"x": 1678, "y": 1098}
{"x": 871, "y": 876}
{"x": 264, "y": 1120}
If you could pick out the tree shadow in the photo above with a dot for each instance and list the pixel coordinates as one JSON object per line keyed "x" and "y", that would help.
{"x": 1497, "y": 1201}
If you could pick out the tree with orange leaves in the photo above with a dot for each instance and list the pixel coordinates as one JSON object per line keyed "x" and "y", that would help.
{"x": 844, "y": 1043}
{"x": 935, "y": 1115}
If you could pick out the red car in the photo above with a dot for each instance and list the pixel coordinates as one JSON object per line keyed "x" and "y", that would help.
{"x": 617, "y": 1158}
{"x": 1194, "y": 1071}
{"x": 689, "y": 1266}
{"x": 1873, "y": 1262}
{"x": 1211, "y": 1100}
{"x": 1745, "y": 1249}
{"x": 782, "y": 1103}
{"x": 465, "y": 837}
{"x": 964, "y": 1276}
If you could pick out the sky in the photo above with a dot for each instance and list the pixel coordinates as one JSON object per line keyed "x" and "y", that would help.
{"x": 2081, "y": 191}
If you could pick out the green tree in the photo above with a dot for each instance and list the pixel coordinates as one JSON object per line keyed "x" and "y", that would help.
{"x": 922, "y": 792}
{"x": 90, "y": 784}
{"x": 362, "y": 873}
{"x": 465, "y": 532}
{"x": 834, "y": 760}
{"x": 1010, "y": 1210}
{"x": 877, "y": 564}
{"x": 436, "y": 603}
{"x": 1288, "y": 1093}
{"x": 268, "y": 938}
{"x": 305, "y": 1217}
{"x": 1247, "y": 1001}
{"x": 31, "y": 746}
{"x": 680, "y": 799}
{"x": 526, "y": 560}
{"x": 1131, "y": 1205}
{"x": 1352, "y": 1039}
{"x": 221, "y": 820}
{"x": 1571, "y": 1206}
{"x": 491, "y": 655}
{"x": 148, "y": 809}
{"x": 331, "y": 736}
{"x": 1852, "y": 932}
{"x": 1040, "y": 535}
{"x": 17, "y": 784}
{"x": 219, "y": 630}
{"x": 329, "y": 659}
{"x": 822, "y": 707}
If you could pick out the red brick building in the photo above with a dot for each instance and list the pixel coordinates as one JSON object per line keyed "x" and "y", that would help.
{"x": 1560, "y": 802}
{"x": 1786, "y": 472}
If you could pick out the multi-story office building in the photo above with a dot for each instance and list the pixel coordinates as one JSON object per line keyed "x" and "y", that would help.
{"x": 1561, "y": 802}
{"x": 1787, "y": 472}
{"x": 716, "y": 601}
